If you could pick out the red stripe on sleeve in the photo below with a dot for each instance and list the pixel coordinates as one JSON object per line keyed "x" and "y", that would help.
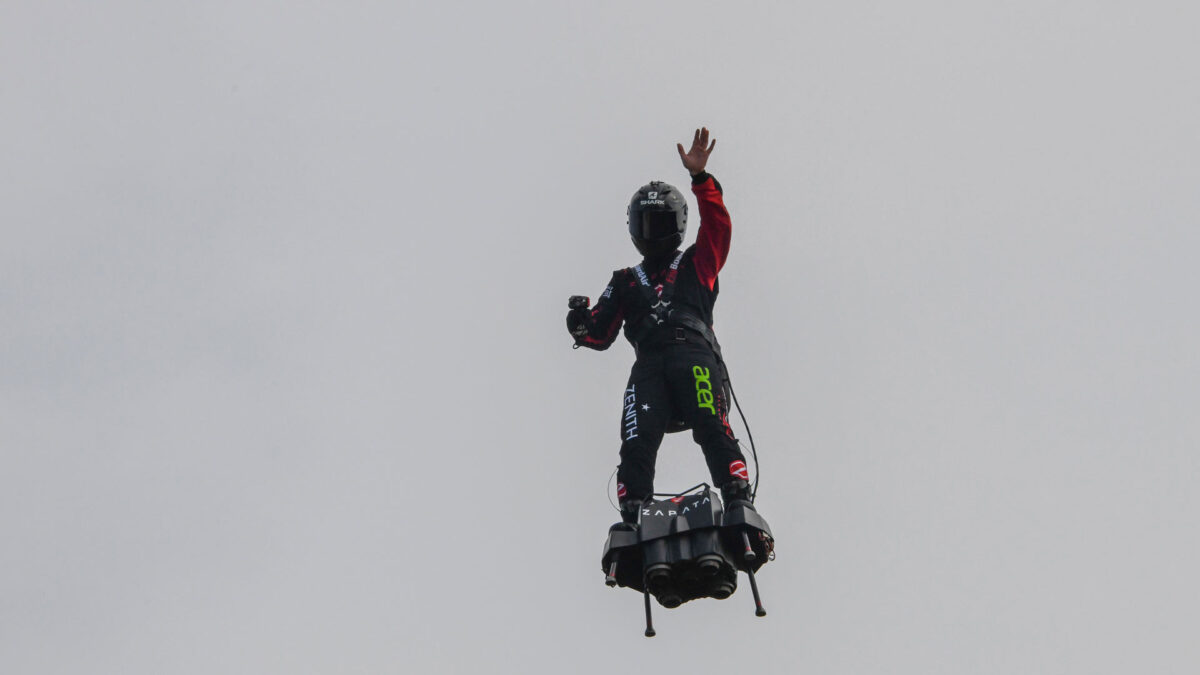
{"x": 609, "y": 334}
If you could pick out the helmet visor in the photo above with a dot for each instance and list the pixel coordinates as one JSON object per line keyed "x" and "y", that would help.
{"x": 659, "y": 224}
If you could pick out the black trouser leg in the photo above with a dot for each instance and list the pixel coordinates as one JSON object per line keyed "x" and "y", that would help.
{"x": 645, "y": 411}
{"x": 697, "y": 382}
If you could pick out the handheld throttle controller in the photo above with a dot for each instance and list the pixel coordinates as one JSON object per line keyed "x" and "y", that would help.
{"x": 578, "y": 305}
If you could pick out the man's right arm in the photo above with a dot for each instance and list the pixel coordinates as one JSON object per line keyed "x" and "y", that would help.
{"x": 597, "y": 328}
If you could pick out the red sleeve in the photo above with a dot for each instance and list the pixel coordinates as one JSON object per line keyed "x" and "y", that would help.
{"x": 712, "y": 242}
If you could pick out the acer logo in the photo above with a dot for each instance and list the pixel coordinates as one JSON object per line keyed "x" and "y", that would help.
{"x": 704, "y": 395}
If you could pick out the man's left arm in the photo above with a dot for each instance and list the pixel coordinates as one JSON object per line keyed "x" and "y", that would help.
{"x": 712, "y": 241}
{"x": 716, "y": 229}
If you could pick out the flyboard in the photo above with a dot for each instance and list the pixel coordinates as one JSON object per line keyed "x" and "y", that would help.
{"x": 687, "y": 546}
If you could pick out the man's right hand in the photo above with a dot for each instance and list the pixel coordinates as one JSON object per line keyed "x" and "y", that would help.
{"x": 576, "y": 318}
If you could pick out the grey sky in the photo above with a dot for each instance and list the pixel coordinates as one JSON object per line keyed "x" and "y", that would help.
{"x": 285, "y": 386}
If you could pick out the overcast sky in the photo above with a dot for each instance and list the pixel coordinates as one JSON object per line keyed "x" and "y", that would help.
{"x": 285, "y": 385}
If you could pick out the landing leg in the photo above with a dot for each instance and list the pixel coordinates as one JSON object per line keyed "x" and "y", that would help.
{"x": 748, "y": 553}
{"x": 645, "y": 581}
{"x": 611, "y": 579}
{"x": 749, "y": 557}
{"x": 758, "y": 608}
{"x": 649, "y": 623}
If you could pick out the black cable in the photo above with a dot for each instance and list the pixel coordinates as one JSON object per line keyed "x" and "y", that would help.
{"x": 608, "y": 492}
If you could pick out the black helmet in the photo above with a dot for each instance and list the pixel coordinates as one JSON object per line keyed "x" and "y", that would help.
{"x": 657, "y": 219}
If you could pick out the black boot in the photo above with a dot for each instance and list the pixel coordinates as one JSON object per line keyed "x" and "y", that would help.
{"x": 736, "y": 491}
{"x": 629, "y": 511}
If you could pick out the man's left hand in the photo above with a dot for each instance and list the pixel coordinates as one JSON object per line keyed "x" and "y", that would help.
{"x": 695, "y": 159}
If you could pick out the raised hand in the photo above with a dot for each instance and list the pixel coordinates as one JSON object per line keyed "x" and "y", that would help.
{"x": 696, "y": 158}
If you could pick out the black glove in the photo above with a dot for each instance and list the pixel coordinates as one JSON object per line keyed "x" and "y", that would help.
{"x": 577, "y": 317}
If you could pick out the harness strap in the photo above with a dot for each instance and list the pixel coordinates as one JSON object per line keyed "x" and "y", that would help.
{"x": 691, "y": 321}
{"x": 659, "y": 302}
{"x": 661, "y": 315}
